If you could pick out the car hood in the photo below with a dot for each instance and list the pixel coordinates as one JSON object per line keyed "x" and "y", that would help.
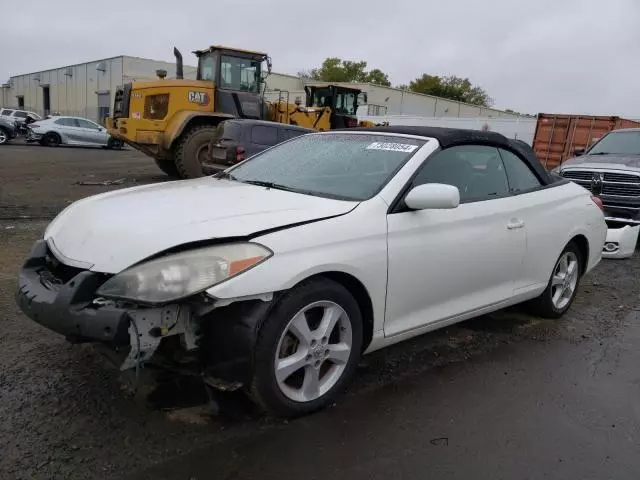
{"x": 615, "y": 161}
{"x": 112, "y": 231}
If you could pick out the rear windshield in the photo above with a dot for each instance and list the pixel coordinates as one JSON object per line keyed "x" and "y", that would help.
{"x": 335, "y": 165}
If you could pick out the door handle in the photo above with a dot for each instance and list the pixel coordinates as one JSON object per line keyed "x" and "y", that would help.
{"x": 515, "y": 223}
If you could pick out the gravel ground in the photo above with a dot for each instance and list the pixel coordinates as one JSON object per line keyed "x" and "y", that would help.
{"x": 65, "y": 414}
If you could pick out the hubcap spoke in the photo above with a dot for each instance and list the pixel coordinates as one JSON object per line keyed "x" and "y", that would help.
{"x": 339, "y": 353}
{"x": 568, "y": 291}
{"x": 289, "y": 365}
{"x": 329, "y": 319}
{"x": 557, "y": 296}
{"x": 300, "y": 328}
{"x": 557, "y": 280}
{"x": 311, "y": 384}
{"x": 563, "y": 265}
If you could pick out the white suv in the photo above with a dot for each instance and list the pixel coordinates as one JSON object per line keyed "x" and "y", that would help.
{"x": 18, "y": 115}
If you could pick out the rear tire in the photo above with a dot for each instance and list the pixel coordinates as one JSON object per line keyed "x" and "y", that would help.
{"x": 190, "y": 148}
{"x": 325, "y": 358}
{"x": 4, "y": 136}
{"x": 51, "y": 139}
{"x": 168, "y": 167}
{"x": 563, "y": 284}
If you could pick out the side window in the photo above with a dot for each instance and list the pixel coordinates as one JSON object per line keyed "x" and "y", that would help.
{"x": 66, "y": 122}
{"x": 7, "y": 113}
{"x": 263, "y": 135}
{"x": 86, "y": 124}
{"x": 476, "y": 170}
{"x": 521, "y": 178}
{"x": 20, "y": 114}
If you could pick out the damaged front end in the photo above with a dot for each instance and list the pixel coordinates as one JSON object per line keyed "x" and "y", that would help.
{"x": 199, "y": 335}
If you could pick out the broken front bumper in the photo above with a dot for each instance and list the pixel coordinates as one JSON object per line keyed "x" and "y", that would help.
{"x": 62, "y": 299}
{"x": 66, "y": 306}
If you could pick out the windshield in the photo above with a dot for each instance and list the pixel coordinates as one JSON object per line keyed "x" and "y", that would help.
{"x": 343, "y": 166}
{"x": 625, "y": 143}
{"x": 346, "y": 102}
{"x": 207, "y": 67}
{"x": 239, "y": 74}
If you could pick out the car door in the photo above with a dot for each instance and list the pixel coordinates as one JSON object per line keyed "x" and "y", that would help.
{"x": 92, "y": 133}
{"x": 69, "y": 130}
{"x": 443, "y": 264}
{"x": 545, "y": 214}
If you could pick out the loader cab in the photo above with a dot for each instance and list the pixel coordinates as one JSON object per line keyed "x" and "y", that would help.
{"x": 343, "y": 102}
{"x": 237, "y": 76}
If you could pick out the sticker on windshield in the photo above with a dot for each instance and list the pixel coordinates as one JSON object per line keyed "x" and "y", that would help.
{"x": 392, "y": 147}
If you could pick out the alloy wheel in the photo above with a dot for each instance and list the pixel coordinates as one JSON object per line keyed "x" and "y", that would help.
{"x": 564, "y": 280}
{"x": 313, "y": 351}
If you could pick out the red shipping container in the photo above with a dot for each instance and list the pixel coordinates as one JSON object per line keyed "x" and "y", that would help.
{"x": 558, "y": 136}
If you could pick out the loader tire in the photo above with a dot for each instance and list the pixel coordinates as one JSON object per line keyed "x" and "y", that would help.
{"x": 190, "y": 149}
{"x": 168, "y": 167}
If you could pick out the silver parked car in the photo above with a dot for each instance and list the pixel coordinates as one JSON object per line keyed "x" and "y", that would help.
{"x": 63, "y": 130}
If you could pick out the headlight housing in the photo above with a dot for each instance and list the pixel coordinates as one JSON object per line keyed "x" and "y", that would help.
{"x": 183, "y": 274}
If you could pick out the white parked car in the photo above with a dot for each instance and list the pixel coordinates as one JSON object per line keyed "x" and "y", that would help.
{"x": 277, "y": 274}
{"x": 63, "y": 130}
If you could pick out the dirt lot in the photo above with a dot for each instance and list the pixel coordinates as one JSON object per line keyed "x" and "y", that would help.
{"x": 65, "y": 414}
{"x": 38, "y": 182}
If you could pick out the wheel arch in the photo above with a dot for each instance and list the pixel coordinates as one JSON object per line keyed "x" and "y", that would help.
{"x": 360, "y": 294}
{"x": 583, "y": 246}
{"x": 182, "y": 122}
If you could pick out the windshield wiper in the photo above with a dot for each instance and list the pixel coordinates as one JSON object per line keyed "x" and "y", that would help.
{"x": 275, "y": 186}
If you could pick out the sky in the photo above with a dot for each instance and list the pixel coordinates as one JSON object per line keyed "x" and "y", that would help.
{"x": 532, "y": 56}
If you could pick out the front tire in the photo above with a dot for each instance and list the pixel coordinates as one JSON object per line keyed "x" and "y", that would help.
{"x": 191, "y": 148}
{"x": 52, "y": 139}
{"x": 307, "y": 349}
{"x": 563, "y": 284}
{"x": 4, "y": 136}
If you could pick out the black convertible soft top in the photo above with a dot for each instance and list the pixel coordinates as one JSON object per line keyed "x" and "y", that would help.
{"x": 449, "y": 137}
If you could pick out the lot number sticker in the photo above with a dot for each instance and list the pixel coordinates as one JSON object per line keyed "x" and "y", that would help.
{"x": 392, "y": 147}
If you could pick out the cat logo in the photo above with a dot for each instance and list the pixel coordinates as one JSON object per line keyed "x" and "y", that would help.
{"x": 201, "y": 98}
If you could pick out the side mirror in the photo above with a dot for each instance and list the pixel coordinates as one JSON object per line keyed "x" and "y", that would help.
{"x": 579, "y": 151}
{"x": 433, "y": 196}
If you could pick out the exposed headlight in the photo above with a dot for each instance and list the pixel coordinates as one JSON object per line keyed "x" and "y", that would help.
{"x": 177, "y": 276}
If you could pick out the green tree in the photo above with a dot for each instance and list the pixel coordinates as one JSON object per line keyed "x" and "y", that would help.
{"x": 334, "y": 69}
{"x": 451, "y": 87}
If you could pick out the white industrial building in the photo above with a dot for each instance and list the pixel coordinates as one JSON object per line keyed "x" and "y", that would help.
{"x": 87, "y": 90}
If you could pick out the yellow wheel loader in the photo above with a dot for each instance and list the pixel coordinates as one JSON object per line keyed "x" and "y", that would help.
{"x": 173, "y": 121}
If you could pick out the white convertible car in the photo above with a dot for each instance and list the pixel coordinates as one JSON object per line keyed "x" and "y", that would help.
{"x": 276, "y": 275}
